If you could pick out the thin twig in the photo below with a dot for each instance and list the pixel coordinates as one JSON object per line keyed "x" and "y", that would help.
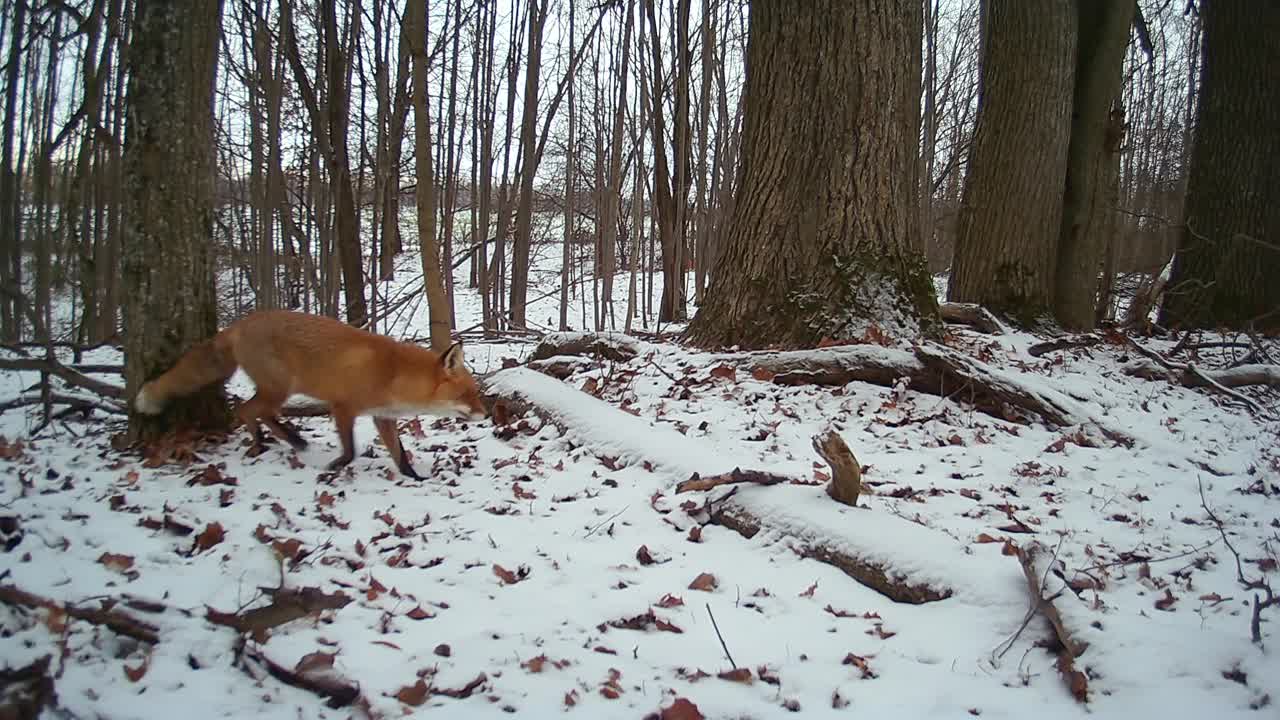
{"x": 722, "y": 643}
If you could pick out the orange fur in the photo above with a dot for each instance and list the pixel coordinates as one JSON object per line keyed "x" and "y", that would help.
{"x": 356, "y": 372}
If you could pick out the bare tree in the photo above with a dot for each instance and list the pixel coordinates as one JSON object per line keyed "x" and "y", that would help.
{"x": 170, "y": 303}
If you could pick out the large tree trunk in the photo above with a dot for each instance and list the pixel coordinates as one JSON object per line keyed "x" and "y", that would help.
{"x": 170, "y": 302}
{"x": 821, "y": 240}
{"x": 1011, "y": 212}
{"x": 1094, "y": 146}
{"x": 1227, "y": 268}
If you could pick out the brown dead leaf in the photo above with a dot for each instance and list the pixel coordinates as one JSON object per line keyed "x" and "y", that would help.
{"x": 414, "y": 694}
{"x": 571, "y": 698}
{"x": 725, "y": 372}
{"x": 740, "y": 675}
{"x": 116, "y": 563}
{"x": 1166, "y": 603}
{"x": 681, "y": 709}
{"x": 861, "y": 663}
{"x": 695, "y": 534}
{"x": 212, "y": 535}
{"x": 611, "y": 688}
{"x": 135, "y": 673}
{"x": 670, "y": 601}
{"x": 763, "y": 374}
{"x": 880, "y": 632}
{"x": 643, "y": 556}
{"x": 417, "y": 613}
{"x": 811, "y": 590}
{"x": 508, "y": 577}
{"x": 211, "y": 475}
{"x": 705, "y": 582}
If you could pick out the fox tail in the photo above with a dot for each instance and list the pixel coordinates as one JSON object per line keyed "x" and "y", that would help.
{"x": 208, "y": 362}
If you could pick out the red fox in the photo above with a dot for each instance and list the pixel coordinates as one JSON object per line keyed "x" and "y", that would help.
{"x": 356, "y": 372}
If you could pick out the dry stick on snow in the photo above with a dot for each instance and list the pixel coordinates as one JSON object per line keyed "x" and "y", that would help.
{"x": 72, "y": 404}
{"x": 846, "y": 473}
{"x": 321, "y": 680}
{"x": 1070, "y": 648}
{"x": 107, "y": 617}
{"x": 737, "y": 475}
{"x": 971, "y": 314}
{"x": 1259, "y": 604}
{"x": 68, "y": 375}
{"x": 727, "y": 654}
{"x": 286, "y": 606}
{"x": 1218, "y": 381}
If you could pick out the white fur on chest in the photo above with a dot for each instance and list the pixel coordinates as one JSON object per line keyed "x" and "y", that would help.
{"x": 408, "y": 410}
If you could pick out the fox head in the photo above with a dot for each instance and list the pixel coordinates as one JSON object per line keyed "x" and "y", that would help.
{"x": 459, "y": 391}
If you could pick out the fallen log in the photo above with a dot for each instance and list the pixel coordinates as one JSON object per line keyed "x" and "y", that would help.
{"x": 107, "y": 617}
{"x": 1035, "y": 560}
{"x": 971, "y": 314}
{"x": 873, "y": 573}
{"x": 932, "y": 368}
{"x": 609, "y": 345}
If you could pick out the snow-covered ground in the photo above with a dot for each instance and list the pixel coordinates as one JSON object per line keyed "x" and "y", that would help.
{"x": 553, "y": 575}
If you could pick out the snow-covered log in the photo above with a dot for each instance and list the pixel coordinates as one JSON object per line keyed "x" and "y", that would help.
{"x": 901, "y": 559}
{"x": 609, "y": 345}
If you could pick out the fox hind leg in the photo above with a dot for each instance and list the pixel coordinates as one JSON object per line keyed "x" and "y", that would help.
{"x": 286, "y": 432}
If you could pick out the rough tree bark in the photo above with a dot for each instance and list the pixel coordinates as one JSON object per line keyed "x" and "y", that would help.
{"x": 1011, "y": 211}
{"x": 170, "y": 302}
{"x": 1227, "y": 268}
{"x": 1091, "y": 160}
{"x": 10, "y": 203}
{"x": 821, "y": 238}
{"x": 415, "y": 25}
{"x": 524, "y": 210}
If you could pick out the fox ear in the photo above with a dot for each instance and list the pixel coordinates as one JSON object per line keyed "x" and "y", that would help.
{"x": 452, "y": 358}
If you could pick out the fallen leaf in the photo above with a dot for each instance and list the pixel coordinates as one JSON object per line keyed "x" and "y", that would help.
{"x": 724, "y": 371}
{"x": 508, "y": 577}
{"x": 695, "y": 533}
{"x": 415, "y": 694}
{"x": 810, "y": 591}
{"x": 861, "y": 663}
{"x": 135, "y": 673}
{"x": 705, "y": 582}
{"x": 116, "y": 563}
{"x": 1166, "y": 602}
{"x": 315, "y": 661}
{"x": 443, "y": 650}
{"x": 741, "y": 675}
{"x": 670, "y": 601}
{"x": 212, "y": 535}
{"x": 643, "y": 556}
{"x": 681, "y": 709}
{"x": 419, "y": 614}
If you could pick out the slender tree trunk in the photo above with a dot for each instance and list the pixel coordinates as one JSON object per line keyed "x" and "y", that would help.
{"x": 1011, "y": 213}
{"x": 10, "y": 192}
{"x": 701, "y": 252}
{"x": 1226, "y": 272}
{"x": 821, "y": 242}
{"x": 170, "y": 301}
{"x": 437, "y": 301}
{"x": 570, "y": 160}
{"x": 528, "y": 141}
